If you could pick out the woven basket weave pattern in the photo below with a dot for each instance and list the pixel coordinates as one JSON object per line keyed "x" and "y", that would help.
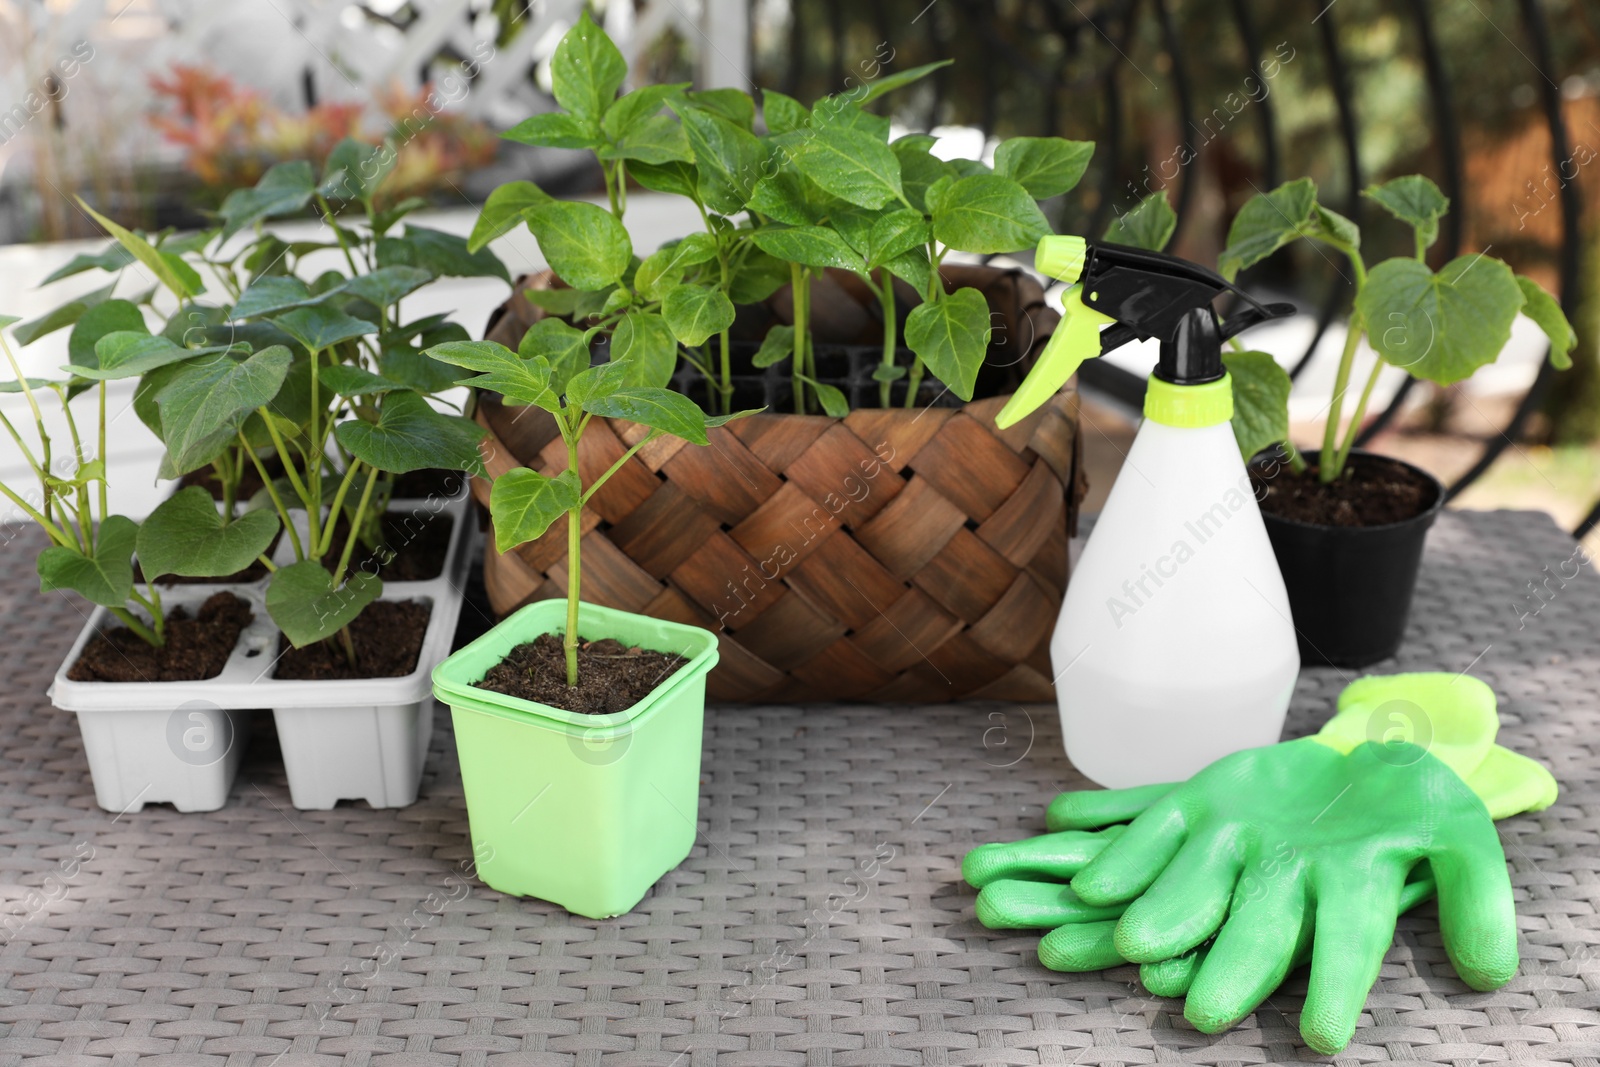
{"x": 892, "y": 555}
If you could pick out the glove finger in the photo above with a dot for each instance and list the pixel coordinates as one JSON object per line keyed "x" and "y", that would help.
{"x": 1014, "y": 905}
{"x": 1081, "y": 947}
{"x": 1084, "y": 809}
{"x": 1476, "y": 912}
{"x": 1172, "y": 978}
{"x": 1185, "y": 905}
{"x": 1129, "y": 865}
{"x": 1253, "y": 952}
{"x": 1355, "y": 919}
{"x": 1057, "y": 856}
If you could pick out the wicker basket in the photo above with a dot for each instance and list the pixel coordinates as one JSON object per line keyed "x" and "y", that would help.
{"x": 893, "y": 555}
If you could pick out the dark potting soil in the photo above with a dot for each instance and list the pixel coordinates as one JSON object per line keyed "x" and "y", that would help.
{"x": 413, "y": 550}
{"x": 387, "y": 636}
{"x": 197, "y": 648}
{"x": 1372, "y": 491}
{"x": 611, "y": 676}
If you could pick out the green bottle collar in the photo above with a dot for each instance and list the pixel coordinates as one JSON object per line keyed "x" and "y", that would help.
{"x": 1189, "y": 406}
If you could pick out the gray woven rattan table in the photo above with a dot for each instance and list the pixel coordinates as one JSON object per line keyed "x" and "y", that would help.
{"x": 821, "y": 918}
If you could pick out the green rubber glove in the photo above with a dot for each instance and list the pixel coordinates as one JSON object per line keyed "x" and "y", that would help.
{"x": 1316, "y": 836}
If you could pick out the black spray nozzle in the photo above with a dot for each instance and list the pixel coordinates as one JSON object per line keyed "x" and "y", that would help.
{"x": 1151, "y": 294}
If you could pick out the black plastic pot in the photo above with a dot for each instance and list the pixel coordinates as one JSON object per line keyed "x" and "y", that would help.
{"x": 1350, "y": 587}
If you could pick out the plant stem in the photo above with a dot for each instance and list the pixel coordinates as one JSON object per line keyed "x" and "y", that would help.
{"x": 355, "y": 522}
{"x": 1355, "y": 420}
{"x": 277, "y": 501}
{"x": 1330, "y": 434}
{"x": 55, "y": 532}
{"x": 595, "y": 485}
{"x": 800, "y": 283}
{"x": 886, "y": 298}
{"x": 569, "y": 640}
{"x": 722, "y": 341}
{"x": 333, "y": 511}
{"x": 1297, "y": 462}
{"x": 622, "y": 188}
{"x": 314, "y": 463}
{"x": 283, "y": 453}
{"x": 128, "y": 619}
{"x": 914, "y": 382}
{"x": 338, "y": 234}
{"x": 104, "y": 507}
{"x": 348, "y": 645}
{"x": 38, "y": 417}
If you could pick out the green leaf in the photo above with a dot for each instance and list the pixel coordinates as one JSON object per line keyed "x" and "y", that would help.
{"x": 1542, "y": 308}
{"x": 283, "y": 190}
{"x": 835, "y": 113}
{"x": 988, "y": 213}
{"x": 810, "y": 246}
{"x": 598, "y": 382}
{"x": 113, "y": 258}
{"x": 523, "y": 504}
{"x": 918, "y": 169}
{"x": 941, "y": 186}
{"x": 776, "y": 347}
{"x": 735, "y": 105}
{"x": 891, "y": 82}
{"x": 951, "y": 336}
{"x": 384, "y": 286}
{"x": 207, "y": 398}
{"x": 320, "y": 327}
{"x": 355, "y": 170}
{"x": 757, "y": 278}
{"x": 664, "y": 268}
{"x": 186, "y": 535}
{"x": 106, "y": 576}
{"x": 851, "y": 165}
{"x": 563, "y": 348}
{"x": 1266, "y": 223}
{"x": 587, "y": 70}
{"x": 584, "y": 243}
{"x": 412, "y": 368}
{"x": 729, "y": 158}
{"x": 1044, "y": 166}
{"x": 303, "y": 602}
{"x": 141, "y": 250}
{"x": 1440, "y": 327}
{"x": 384, "y": 221}
{"x": 553, "y": 129}
{"x": 1330, "y": 226}
{"x": 677, "y": 178}
{"x": 1260, "y": 400}
{"x": 508, "y": 205}
{"x": 695, "y": 312}
{"x": 1148, "y": 225}
{"x": 833, "y": 401}
{"x": 659, "y": 409}
{"x": 409, "y": 435}
{"x": 346, "y": 379}
{"x": 896, "y": 233}
{"x": 783, "y": 113}
{"x": 130, "y": 354}
{"x": 914, "y": 268}
{"x": 519, "y": 380}
{"x": 114, "y": 316}
{"x": 633, "y": 110}
{"x": 789, "y": 196}
{"x": 441, "y": 254}
{"x": 654, "y": 140}
{"x": 647, "y": 343}
{"x": 270, "y": 294}
{"x": 1413, "y": 199}
{"x": 62, "y": 317}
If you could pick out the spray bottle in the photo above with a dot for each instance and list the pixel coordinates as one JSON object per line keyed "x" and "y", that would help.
{"x": 1174, "y": 645}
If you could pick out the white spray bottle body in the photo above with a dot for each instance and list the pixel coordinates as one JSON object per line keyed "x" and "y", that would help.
{"x": 1174, "y": 646}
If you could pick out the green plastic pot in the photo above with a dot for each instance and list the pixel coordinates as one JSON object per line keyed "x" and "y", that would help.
{"x": 585, "y": 811}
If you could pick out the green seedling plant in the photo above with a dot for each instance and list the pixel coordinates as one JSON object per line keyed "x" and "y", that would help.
{"x": 803, "y": 190}
{"x": 1439, "y": 326}
{"x": 315, "y": 381}
{"x": 551, "y": 370}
